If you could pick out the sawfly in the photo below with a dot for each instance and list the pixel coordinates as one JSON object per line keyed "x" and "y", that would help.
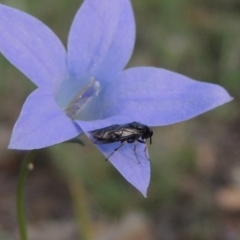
{"x": 123, "y": 133}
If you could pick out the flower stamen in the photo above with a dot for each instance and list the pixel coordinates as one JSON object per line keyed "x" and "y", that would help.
{"x": 82, "y": 98}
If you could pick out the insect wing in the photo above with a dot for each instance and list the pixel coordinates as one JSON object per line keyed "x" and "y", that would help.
{"x": 115, "y": 133}
{"x": 105, "y": 135}
{"x": 127, "y": 132}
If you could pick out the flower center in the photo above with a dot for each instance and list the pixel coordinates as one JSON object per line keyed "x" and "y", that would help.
{"x": 80, "y": 101}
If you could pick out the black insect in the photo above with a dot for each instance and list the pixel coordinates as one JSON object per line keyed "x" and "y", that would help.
{"x": 125, "y": 133}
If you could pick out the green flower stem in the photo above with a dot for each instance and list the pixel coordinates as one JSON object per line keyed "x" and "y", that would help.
{"x": 81, "y": 208}
{"x": 20, "y": 194}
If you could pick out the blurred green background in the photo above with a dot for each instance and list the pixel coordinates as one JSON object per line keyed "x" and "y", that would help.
{"x": 195, "y": 186}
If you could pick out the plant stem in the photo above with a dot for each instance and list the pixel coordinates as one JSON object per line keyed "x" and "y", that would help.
{"x": 81, "y": 208}
{"x": 20, "y": 195}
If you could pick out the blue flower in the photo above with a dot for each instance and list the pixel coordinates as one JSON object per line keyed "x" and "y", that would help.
{"x": 87, "y": 88}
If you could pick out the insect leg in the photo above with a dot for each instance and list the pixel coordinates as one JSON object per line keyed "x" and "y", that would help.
{"x": 132, "y": 140}
{"x": 134, "y": 150}
{"x": 122, "y": 143}
{"x": 145, "y": 149}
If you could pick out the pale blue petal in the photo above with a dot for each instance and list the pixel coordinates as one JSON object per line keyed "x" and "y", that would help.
{"x": 32, "y": 47}
{"x": 41, "y": 124}
{"x": 124, "y": 160}
{"x": 158, "y": 97}
{"x": 101, "y": 39}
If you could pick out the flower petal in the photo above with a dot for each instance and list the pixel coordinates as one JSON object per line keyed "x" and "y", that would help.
{"x": 41, "y": 124}
{"x": 133, "y": 165}
{"x": 156, "y": 96}
{"x": 32, "y": 47}
{"x": 101, "y": 39}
